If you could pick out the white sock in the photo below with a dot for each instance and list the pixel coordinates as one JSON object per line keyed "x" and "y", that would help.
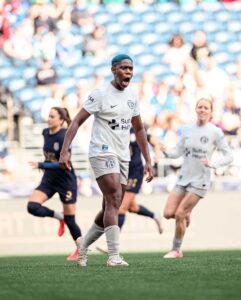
{"x": 112, "y": 238}
{"x": 58, "y": 215}
{"x": 92, "y": 235}
{"x": 176, "y": 244}
{"x": 157, "y": 216}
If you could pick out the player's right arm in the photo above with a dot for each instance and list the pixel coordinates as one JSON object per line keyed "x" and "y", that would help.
{"x": 177, "y": 151}
{"x": 79, "y": 119}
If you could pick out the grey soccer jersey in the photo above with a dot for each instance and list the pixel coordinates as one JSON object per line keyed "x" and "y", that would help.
{"x": 197, "y": 143}
{"x": 113, "y": 110}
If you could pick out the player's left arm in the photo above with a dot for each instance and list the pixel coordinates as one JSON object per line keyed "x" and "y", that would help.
{"x": 223, "y": 147}
{"x": 141, "y": 139}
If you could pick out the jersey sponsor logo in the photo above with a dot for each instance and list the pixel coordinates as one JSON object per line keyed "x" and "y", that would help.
{"x": 68, "y": 196}
{"x": 113, "y": 124}
{"x": 112, "y": 106}
{"x": 91, "y": 99}
{"x": 56, "y": 146}
{"x": 131, "y": 104}
{"x": 105, "y": 147}
{"x": 125, "y": 124}
{"x": 110, "y": 163}
{"x": 204, "y": 139}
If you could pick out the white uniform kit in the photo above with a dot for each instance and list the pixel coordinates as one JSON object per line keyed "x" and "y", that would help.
{"x": 197, "y": 143}
{"x": 110, "y": 138}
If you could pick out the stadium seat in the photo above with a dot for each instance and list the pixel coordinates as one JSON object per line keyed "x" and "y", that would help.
{"x": 166, "y": 7}
{"x": 221, "y": 57}
{"x": 211, "y": 26}
{"x": 127, "y": 17}
{"x": 234, "y": 26}
{"x": 151, "y": 17}
{"x": 149, "y": 38}
{"x": 176, "y": 17}
{"x": 159, "y": 48}
{"x": 83, "y": 72}
{"x": 139, "y": 27}
{"x": 9, "y": 72}
{"x": 146, "y": 59}
{"x": 136, "y": 49}
{"x": 224, "y": 37}
{"x": 126, "y": 39}
{"x": 223, "y": 16}
{"x": 67, "y": 82}
{"x": 17, "y": 84}
{"x": 102, "y": 18}
{"x": 29, "y": 72}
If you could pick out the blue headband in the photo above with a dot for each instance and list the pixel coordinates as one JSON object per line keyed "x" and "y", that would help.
{"x": 119, "y": 58}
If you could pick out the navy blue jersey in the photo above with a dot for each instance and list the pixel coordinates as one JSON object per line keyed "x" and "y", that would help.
{"x": 135, "y": 152}
{"x": 136, "y": 168}
{"x": 52, "y": 146}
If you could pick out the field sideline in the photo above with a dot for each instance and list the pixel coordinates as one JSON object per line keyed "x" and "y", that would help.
{"x": 199, "y": 275}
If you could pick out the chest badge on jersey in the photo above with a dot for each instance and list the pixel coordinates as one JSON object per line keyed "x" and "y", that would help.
{"x": 204, "y": 140}
{"x": 131, "y": 104}
{"x": 56, "y": 146}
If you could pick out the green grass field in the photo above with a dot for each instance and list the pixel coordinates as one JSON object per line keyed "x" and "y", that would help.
{"x": 199, "y": 275}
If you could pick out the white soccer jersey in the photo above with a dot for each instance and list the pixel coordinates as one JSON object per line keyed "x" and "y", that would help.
{"x": 113, "y": 110}
{"x": 197, "y": 143}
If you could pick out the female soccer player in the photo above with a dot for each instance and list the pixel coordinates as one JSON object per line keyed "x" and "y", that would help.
{"x": 135, "y": 178}
{"x": 197, "y": 144}
{"x": 56, "y": 179}
{"x": 115, "y": 108}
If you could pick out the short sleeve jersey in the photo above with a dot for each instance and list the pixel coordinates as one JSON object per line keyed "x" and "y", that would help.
{"x": 197, "y": 143}
{"x": 113, "y": 111}
{"x": 52, "y": 146}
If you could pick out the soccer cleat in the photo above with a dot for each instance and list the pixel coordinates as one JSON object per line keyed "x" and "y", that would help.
{"x": 174, "y": 254}
{"x": 102, "y": 250}
{"x": 116, "y": 261}
{"x": 61, "y": 227}
{"x": 158, "y": 221}
{"x": 82, "y": 258}
{"x": 74, "y": 255}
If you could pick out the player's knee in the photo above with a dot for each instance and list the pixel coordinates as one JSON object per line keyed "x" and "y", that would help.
{"x": 179, "y": 216}
{"x": 134, "y": 208}
{"x": 123, "y": 209}
{"x": 33, "y": 208}
{"x": 73, "y": 227}
{"x": 169, "y": 215}
{"x": 114, "y": 199}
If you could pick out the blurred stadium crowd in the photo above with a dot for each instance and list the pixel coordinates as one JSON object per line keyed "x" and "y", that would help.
{"x": 52, "y": 53}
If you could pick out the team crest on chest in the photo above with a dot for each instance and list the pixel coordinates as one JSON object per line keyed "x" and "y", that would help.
{"x": 131, "y": 104}
{"x": 204, "y": 140}
{"x": 56, "y": 146}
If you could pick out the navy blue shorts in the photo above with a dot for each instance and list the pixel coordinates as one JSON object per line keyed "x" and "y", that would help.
{"x": 67, "y": 196}
{"x": 135, "y": 179}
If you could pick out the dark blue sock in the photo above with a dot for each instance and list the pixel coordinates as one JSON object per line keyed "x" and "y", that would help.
{"x": 39, "y": 210}
{"x": 121, "y": 220}
{"x": 73, "y": 227}
{"x": 143, "y": 211}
